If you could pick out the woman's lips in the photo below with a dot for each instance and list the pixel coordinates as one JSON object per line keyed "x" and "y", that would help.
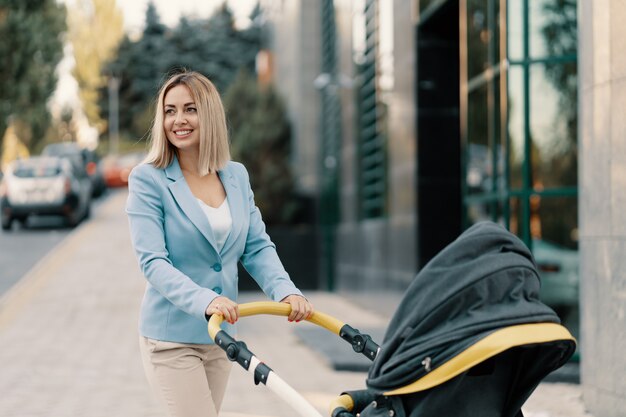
{"x": 183, "y": 133}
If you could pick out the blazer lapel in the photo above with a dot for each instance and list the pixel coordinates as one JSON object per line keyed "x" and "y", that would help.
{"x": 235, "y": 196}
{"x": 187, "y": 202}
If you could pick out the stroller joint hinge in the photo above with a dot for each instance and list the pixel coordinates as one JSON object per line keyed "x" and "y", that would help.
{"x": 261, "y": 372}
{"x": 236, "y": 351}
{"x": 360, "y": 342}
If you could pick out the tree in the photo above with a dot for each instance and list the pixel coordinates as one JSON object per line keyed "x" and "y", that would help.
{"x": 95, "y": 30}
{"x": 261, "y": 140}
{"x": 31, "y": 47}
{"x": 213, "y": 47}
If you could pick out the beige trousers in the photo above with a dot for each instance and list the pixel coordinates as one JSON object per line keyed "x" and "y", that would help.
{"x": 189, "y": 380}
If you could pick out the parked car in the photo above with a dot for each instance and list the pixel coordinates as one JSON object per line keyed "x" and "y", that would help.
{"x": 44, "y": 185}
{"x": 116, "y": 168}
{"x": 558, "y": 268}
{"x": 88, "y": 158}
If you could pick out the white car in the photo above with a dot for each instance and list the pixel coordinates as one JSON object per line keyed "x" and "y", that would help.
{"x": 44, "y": 186}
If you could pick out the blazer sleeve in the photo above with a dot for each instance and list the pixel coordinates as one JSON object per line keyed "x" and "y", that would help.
{"x": 260, "y": 257}
{"x": 145, "y": 214}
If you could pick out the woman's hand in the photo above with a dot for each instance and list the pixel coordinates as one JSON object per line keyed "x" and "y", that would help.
{"x": 224, "y": 306}
{"x": 301, "y": 309}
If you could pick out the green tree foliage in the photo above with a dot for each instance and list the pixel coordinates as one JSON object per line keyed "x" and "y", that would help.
{"x": 213, "y": 47}
{"x": 31, "y": 47}
{"x": 261, "y": 140}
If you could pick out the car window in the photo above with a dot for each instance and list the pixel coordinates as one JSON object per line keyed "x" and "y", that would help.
{"x": 37, "y": 171}
{"x": 57, "y": 149}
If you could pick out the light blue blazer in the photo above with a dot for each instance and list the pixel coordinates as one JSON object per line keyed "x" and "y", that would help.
{"x": 177, "y": 253}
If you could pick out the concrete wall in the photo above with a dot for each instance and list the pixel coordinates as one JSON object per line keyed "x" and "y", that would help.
{"x": 295, "y": 29}
{"x": 381, "y": 253}
{"x": 602, "y": 204}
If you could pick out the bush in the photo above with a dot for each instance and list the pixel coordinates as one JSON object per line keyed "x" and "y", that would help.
{"x": 261, "y": 140}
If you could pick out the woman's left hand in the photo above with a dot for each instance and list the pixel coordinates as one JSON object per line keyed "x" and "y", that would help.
{"x": 301, "y": 309}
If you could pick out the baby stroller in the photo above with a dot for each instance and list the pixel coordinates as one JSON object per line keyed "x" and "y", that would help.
{"x": 469, "y": 339}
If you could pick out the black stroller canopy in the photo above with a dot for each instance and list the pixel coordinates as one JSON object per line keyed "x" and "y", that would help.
{"x": 483, "y": 281}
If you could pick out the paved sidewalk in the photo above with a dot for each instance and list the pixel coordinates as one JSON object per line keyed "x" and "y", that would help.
{"x": 69, "y": 340}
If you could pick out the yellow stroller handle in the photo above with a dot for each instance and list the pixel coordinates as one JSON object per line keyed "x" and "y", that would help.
{"x": 276, "y": 309}
{"x": 237, "y": 351}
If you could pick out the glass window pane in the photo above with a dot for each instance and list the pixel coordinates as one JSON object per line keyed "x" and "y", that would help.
{"x": 552, "y": 28}
{"x": 516, "y": 126}
{"x": 515, "y": 216}
{"x": 478, "y": 162}
{"x": 555, "y": 248}
{"x": 499, "y": 157}
{"x": 555, "y": 220}
{"x": 424, "y": 4}
{"x": 478, "y": 213}
{"x": 496, "y": 31}
{"x": 490, "y": 211}
{"x": 553, "y": 124}
{"x": 515, "y": 22}
{"x": 478, "y": 36}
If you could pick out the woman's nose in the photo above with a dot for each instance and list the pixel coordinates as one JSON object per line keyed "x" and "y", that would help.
{"x": 180, "y": 118}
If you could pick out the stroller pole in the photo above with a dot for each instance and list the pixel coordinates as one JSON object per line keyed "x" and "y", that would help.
{"x": 237, "y": 351}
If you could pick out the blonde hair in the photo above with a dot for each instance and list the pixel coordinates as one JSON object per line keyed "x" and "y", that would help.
{"x": 214, "y": 146}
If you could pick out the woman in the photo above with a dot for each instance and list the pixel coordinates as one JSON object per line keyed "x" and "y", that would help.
{"x": 192, "y": 219}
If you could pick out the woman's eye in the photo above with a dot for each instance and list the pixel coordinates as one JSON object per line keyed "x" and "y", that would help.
{"x": 169, "y": 111}
{"x": 191, "y": 109}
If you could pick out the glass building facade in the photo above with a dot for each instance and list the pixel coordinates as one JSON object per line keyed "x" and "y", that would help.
{"x": 472, "y": 113}
{"x": 520, "y": 105}
{"x": 519, "y": 123}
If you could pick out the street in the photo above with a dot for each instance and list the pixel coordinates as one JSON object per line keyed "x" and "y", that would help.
{"x": 22, "y": 247}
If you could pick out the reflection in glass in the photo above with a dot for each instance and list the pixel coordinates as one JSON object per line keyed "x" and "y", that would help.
{"x": 478, "y": 36}
{"x": 477, "y": 213}
{"x": 488, "y": 211}
{"x": 515, "y": 216}
{"x": 478, "y": 166}
{"x": 515, "y": 29}
{"x": 553, "y": 30}
{"x": 424, "y": 4}
{"x": 555, "y": 249}
{"x": 495, "y": 25}
{"x": 553, "y": 125}
{"x": 555, "y": 219}
{"x": 498, "y": 156}
{"x": 516, "y": 126}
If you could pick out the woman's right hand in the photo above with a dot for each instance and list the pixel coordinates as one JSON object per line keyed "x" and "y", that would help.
{"x": 224, "y": 306}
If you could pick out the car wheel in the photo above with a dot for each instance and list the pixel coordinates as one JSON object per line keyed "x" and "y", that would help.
{"x": 73, "y": 220}
{"x": 6, "y": 223}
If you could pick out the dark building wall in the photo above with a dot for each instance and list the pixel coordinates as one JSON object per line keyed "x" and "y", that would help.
{"x": 438, "y": 129}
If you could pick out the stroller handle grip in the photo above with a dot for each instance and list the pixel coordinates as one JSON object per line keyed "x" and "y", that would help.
{"x": 237, "y": 351}
{"x": 276, "y": 309}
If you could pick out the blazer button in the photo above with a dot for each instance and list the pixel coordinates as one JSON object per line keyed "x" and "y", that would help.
{"x": 217, "y": 290}
{"x": 217, "y": 267}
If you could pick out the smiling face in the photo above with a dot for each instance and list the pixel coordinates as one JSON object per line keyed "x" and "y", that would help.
{"x": 180, "y": 119}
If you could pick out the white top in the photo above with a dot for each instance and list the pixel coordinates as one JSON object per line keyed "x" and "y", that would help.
{"x": 220, "y": 220}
